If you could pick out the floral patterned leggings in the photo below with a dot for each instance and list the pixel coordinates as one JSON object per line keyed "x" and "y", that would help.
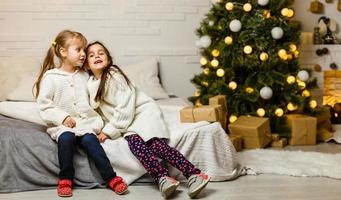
{"x": 147, "y": 153}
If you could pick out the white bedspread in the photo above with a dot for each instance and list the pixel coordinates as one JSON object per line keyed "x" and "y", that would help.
{"x": 205, "y": 145}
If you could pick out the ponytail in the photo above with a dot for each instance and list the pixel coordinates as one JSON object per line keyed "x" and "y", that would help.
{"x": 47, "y": 65}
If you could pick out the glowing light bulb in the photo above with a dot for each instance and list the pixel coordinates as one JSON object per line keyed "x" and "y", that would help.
{"x": 279, "y": 112}
{"x": 260, "y": 112}
{"x": 285, "y": 12}
{"x": 229, "y": 6}
{"x": 313, "y": 104}
{"x": 291, "y": 79}
{"x": 228, "y": 40}
{"x": 247, "y": 49}
{"x": 220, "y": 72}
{"x": 263, "y": 56}
{"x": 215, "y": 53}
{"x": 232, "y": 85}
{"x": 247, "y": 7}
{"x": 214, "y": 63}
{"x": 203, "y": 61}
{"x": 233, "y": 118}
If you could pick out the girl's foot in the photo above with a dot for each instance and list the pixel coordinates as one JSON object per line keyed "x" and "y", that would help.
{"x": 64, "y": 188}
{"x": 196, "y": 183}
{"x": 167, "y": 186}
{"x": 118, "y": 185}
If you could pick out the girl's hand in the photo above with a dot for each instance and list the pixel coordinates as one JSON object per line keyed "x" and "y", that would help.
{"x": 102, "y": 137}
{"x": 69, "y": 122}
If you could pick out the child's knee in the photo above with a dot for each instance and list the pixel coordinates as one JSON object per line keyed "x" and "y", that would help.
{"x": 89, "y": 139}
{"x": 66, "y": 138}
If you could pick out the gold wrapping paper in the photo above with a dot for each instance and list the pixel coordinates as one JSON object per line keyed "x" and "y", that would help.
{"x": 209, "y": 113}
{"x": 255, "y": 131}
{"x": 279, "y": 143}
{"x": 303, "y": 129}
{"x": 220, "y": 100}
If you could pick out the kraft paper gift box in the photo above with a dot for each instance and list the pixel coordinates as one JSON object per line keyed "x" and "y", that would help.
{"x": 303, "y": 129}
{"x": 279, "y": 143}
{"x": 324, "y": 135}
{"x": 237, "y": 142}
{"x": 255, "y": 131}
{"x": 209, "y": 113}
{"x": 324, "y": 115}
{"x": 220, "y": 100}
{"x": 275, "y": 137}
{"x": 324, "y": 125}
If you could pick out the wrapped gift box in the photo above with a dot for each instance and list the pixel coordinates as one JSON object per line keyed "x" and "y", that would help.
{"x": 324, "y": 135}
{"x": 209, "y": 113}
{"x": 237, "y": 142}
{"x": 303, "y": 129}
{"x": 279, "y": 143}
{"x": 275, "y": 137}
{"x": 324, "y": 115}
{"x": 324, "y": 125}
{"x": 220, "y": 100}
{"x": 255, "y": 131}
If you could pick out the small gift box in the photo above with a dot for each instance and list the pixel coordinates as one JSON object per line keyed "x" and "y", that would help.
{"x": 220, "y": 100}
{"x": 237, "y": 142}
{"x": 209, "y": 113}
{"x": 279, "y": 143}
{"x": 275, "y": 137}
{"x": 255, "y": 131}
{"x": 303, "y": 129}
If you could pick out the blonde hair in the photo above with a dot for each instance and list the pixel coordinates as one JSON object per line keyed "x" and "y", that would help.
{"x": 62, "y": 41}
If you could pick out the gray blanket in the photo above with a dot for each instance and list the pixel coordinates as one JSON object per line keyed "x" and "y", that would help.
{"x": 28, "y": 159}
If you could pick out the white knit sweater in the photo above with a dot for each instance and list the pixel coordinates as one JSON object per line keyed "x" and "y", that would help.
{"x": 65, "y": 94}
{"x": 126, "y": 110}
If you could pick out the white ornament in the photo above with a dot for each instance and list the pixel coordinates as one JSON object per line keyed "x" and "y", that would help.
{"x": 205, "y": 41}
{"x": 235, "y": 25}
{"x": 266, "y": 92}
{"x": 303, "y": 75}
{"x": 277, "y": 33}
{"x": 263, "y": 2}
{"x": 211, "y": 23}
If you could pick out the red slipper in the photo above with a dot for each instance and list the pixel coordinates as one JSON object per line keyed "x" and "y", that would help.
{"x": 64, "y": 188}
{"x": 118, "y": 185}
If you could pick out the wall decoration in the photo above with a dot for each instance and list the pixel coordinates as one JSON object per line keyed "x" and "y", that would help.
{"x": 316, "y": 6}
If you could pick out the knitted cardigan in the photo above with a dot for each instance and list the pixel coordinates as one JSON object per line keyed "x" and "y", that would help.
{"x": 126, "y": 110}
{"x": 64, "y": 94}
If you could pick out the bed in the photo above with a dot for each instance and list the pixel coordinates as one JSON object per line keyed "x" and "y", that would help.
{"x": 29, "y": 156}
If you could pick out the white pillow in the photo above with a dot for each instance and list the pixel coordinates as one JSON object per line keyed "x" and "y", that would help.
{"x": 144, "y": 75}
{"x": 23, "y": 91}
{"x": 14, "y": 69}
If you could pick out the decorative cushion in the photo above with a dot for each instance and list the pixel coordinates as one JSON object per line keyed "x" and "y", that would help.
{"x": 19, "y": 74}
{"x": 144, "y": 75}
{"x": 23, "y": 91}
{"x": 15, "y": 69}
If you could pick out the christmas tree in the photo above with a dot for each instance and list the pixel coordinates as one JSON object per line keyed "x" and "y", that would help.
{"x": 250, "y": 52}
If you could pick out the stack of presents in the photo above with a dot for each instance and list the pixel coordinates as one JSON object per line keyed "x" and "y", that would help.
{"x": 250, "y": 132}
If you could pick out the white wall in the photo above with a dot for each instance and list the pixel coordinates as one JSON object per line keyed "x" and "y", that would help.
{"x": 132, "y": 29}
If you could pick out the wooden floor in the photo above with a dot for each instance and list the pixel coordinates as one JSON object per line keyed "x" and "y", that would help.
{"x": 261, "y": 187}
